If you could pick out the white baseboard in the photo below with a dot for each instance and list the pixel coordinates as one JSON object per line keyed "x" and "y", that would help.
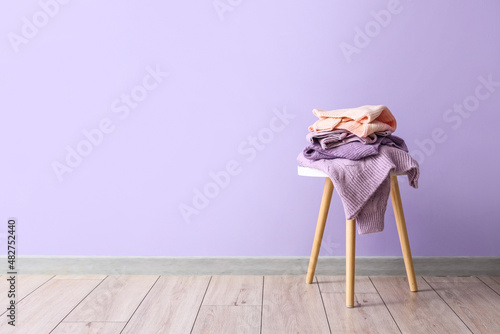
{"x": 165, "y": 265}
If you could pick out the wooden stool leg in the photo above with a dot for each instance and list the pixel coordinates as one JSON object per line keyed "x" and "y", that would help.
{"x": 403, "y": 234}
{"x": 350, "y": 259}
{"x": 320, "y": 228}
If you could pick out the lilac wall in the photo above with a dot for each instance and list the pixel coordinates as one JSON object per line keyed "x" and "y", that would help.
{"x": 239, "y": 70}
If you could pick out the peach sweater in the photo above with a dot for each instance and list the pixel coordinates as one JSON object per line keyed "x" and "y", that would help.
{"x": 361, "y": 121}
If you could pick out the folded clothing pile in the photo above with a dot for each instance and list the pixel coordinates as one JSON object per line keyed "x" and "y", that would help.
{"x": 355, "y": 147}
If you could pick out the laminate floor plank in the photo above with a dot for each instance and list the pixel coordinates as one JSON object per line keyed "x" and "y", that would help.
{"x": 472, "y": 301}
{"x": 417, "y": 312}
{"x": 369, "y": 314}
{"x": 80, "y": 277}
{"x": 25, "y": 284}
{"x": 234, "y": 290}
{"x": 228, "y": 319}
{"x": 232, "y": 304}
{"x": 496, "y": 278}
{"x": 451, "y": 279}
{"x": 43, "y": 309}
{"x": 89, "y": 328}
{"x": 115, "y": 299}
{"x": 362, "y": 284}
{"x": 292, "y": 306}
{"x": 489, "y": 281}
{"x": 170, "y": 306}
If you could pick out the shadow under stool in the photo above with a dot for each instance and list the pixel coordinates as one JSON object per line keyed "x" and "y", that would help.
{"x": 351, "y": 234}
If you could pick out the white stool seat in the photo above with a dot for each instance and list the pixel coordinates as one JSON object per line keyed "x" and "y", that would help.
{"x": 308, "y": 171}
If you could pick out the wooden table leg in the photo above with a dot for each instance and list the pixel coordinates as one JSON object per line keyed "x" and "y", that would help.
{"x": 350, "y": 260}
{"x": 320, "y": 228}
{"x": 403, "y": 234}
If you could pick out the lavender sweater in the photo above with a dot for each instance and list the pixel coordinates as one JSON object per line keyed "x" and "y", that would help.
{"x": 354, "y": 150}
{"x": 364, "y": 185}
{"x": 330, "y": 139}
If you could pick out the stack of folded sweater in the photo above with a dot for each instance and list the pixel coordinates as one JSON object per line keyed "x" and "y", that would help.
{"x": 356, "y": 149}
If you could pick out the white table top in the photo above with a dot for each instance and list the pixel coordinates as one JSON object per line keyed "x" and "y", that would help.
{"x": 307, "y": 171}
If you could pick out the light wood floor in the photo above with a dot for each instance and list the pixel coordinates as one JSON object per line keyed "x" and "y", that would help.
{"x": 251, "y": 304}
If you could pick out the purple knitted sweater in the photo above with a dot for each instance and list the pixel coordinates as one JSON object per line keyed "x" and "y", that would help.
{"x": 354, "y": 150}
{"x": 331, "y": 139}
{"x": 364, "y": 185}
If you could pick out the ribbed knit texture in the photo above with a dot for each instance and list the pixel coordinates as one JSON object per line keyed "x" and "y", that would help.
{"x": 364, "y": 185}
{"x": 334, "y": 138}
{"x": 354, "y": 150}
{"x": 361, "y": 121}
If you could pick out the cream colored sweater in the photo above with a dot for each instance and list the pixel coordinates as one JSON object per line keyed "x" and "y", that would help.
{"x": 361, "y": 121}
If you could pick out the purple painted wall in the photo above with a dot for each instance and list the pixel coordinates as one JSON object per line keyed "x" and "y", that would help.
{"x": 243, "y": 76}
